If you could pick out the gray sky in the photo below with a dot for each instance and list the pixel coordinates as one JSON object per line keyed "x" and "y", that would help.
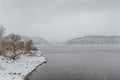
{"x": 59, "y": 20}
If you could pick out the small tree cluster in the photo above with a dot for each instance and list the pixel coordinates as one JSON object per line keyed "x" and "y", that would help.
{"x": 13, "y": 44}
{"x": 29, "y": 47}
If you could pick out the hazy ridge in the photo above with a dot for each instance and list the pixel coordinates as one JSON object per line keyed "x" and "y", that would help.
{"x": 95, "y": 40}
{"x": 36, "y": 40}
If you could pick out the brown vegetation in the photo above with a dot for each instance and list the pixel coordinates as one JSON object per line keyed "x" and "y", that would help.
{"x": 14, "y": 45}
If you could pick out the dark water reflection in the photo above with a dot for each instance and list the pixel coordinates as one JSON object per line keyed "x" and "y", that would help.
{"x": 79, "y": 63}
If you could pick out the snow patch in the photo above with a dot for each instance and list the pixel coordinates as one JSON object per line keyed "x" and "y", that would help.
{"x": 18, "y": 69}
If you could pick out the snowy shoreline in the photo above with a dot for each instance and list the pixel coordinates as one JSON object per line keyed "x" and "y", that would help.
{"x": 20, "y": 68}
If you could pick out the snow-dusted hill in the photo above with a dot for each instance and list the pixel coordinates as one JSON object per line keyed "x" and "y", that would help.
{"x": 18, "y": 69}
{"x": 36, "y": 40}
{"x": 95, "y": 40}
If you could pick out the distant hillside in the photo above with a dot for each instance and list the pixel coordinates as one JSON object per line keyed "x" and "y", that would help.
{"x": 95, "y": 40}
{"x": 36, "y": 40}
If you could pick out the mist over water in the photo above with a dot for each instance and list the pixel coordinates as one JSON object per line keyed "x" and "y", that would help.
{"x": 79, "y": 63}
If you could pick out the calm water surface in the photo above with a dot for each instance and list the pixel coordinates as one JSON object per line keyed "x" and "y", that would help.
{"x": 79, "y": 63}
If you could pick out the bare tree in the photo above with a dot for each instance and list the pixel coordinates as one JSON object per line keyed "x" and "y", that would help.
{"x": 2, "y": 30}
{"x": 5, "y": 44}
{"x": 21, "y": 46}
{"x": 14, "y": 40}
{"x": 29, "y": 46}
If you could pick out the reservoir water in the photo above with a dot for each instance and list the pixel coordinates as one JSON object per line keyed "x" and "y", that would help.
{"x": 79, "y": 63}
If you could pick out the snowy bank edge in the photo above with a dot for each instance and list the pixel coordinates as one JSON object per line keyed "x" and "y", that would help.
{"x": 19, "y": 69}
{"x": 29, "y": 74}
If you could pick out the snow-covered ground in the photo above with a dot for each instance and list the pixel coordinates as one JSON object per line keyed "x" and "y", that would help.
{"x": 18, "y": 69}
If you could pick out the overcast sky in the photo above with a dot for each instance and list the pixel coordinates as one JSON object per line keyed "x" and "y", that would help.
{"x": 60, "y": 20}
